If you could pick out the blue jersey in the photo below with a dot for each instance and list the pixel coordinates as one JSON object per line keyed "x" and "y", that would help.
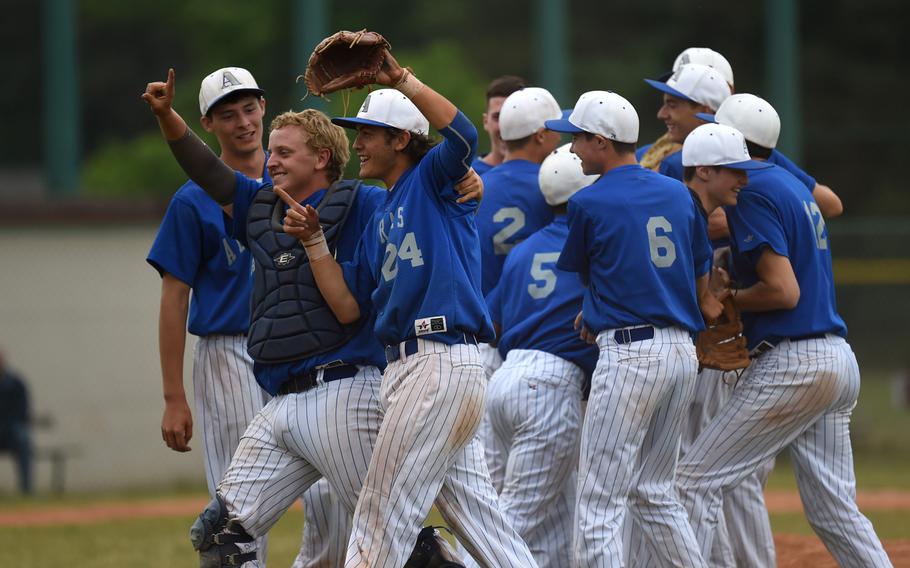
{"x": 194, "y": 244}
{"x": 419, "y": 260}
{"x": 640, "y": 152}
{"x": 362, "y": 348}
{"x": 636, "y": 240}
{"x": 512, "y": 208}
{"x": 779, "y": 159}
{"x": 671, "y": 165}
{"x": 775, "y": 211}
{"x": 480, "y": 166}
{"x": 536, "y": 303}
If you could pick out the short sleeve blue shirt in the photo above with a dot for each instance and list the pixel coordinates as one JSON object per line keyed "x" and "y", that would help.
{"x": 195, "y": 245}
{"x": 774, "y": 211}
{"x": 536, "y": 303}
{"x": 778, "y": 159}
{"x": 636, "y": 239}
{"x": 419, "y": 262}
{"x": 512, "y": 208}
{"x": 480, "y": 166}
{"x": 671, "y": 166}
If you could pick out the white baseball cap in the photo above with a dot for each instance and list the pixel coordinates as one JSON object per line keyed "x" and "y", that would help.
{"x": 751, "y": 115}
{"x": 387, "y": 108}
{"x": 524, "y": 112}
{"x": 705, "y": 56}
{"x": 601, "y": 112}
{"x": 696, "y": 83}
{"x": 718, "y": 145}
{"x": 223, "y": 82}
{"x": 561, "y": 176}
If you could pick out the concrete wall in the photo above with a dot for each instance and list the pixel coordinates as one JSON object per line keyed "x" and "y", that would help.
{"x": 79, "y": 319}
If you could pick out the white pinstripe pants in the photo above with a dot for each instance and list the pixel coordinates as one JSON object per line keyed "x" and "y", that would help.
{"x": 227, "y": 397}
{"x": 638, "y": 394}
{"x": 800, "y": 394}
{"x": 297, "y": 439}
{"x": 326, "y": 529}
{"x": 433, "y": 401}
{"x": 534, "y": 412}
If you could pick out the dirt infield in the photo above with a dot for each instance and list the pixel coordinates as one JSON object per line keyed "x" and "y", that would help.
{"x": 792, "y": 550}
{"x": 798, "y": 551}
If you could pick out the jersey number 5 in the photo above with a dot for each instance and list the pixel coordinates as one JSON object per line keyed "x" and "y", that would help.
{"x": 408, "y": 251}
{"x": 663, "y": 251}
{"x": 545, "y": 275}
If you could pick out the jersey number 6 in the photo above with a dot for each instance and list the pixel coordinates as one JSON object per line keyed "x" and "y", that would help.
{"x": 663, "y": 251}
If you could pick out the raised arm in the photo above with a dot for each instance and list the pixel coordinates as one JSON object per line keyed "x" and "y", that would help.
{"x": 828, "y": 201}
{"x": 197, "y": 160}
{"x": 303, "y": 223}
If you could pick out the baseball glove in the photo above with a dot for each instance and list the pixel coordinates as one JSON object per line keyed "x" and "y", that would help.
{"x": 722, "y": 345}
{"x": 345, "y": 60}
{"x": 432, "y": 551}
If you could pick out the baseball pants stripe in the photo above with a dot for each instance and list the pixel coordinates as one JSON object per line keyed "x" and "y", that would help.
{"x": 534, "y": 409}
{"x": 227, "y": 398}
{"x": 328, "y": 431}
{"x": 433, "y": 401}
{"x": 638, "y": 394}
{"x": 799, "y": 394}
{"x": 326, "y": 529}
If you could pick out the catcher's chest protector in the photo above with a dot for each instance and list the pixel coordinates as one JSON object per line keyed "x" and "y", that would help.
{"x": 289, "y": 319}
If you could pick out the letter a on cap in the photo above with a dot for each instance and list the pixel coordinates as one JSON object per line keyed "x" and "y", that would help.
{"x": 228, "y": 80}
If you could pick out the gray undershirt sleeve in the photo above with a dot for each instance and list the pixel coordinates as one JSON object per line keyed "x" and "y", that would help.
{"x": 204, "y": 167}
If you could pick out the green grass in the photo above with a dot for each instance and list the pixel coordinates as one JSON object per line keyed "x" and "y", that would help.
{"x": 888, "y": 524}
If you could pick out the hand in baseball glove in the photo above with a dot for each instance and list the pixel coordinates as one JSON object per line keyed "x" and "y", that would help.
{"x": 345, "y": 60}
{"x": 722, "y": 345}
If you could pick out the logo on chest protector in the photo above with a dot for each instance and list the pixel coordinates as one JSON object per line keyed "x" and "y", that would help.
{"x": 434, "y": 324}
{"x": 284, "y": 259}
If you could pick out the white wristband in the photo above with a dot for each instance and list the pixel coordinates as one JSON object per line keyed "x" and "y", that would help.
{"x": 409, "y": 85}
{"x": 316, "y": 247}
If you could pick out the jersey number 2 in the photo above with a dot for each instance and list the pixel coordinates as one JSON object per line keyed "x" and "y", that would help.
{"x": 517, "y": 222}
{"x": 663, "y": 251}
{"x": 408, "y": 251}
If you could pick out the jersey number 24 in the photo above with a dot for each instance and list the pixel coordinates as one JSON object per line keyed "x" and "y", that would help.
{"x": 408, "y": 251}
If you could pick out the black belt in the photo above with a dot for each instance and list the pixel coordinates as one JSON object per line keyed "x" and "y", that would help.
{"x": 303, "y": 383}
{"x": 633, "y": 334}
{"x": 393, "y": 352}
{"x": 768, "y": 344}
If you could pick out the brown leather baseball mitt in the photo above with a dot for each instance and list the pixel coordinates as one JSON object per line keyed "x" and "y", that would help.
{"x": 345, "y": 60}
{"x": 722, "y": 345}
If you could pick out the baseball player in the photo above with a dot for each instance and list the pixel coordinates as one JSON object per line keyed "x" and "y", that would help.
{"x": 497, "y": 91}
{"x": 322, "y": 382}
{"x": 418, "y": 264}
{"x": 534, "y": 398}
{"x": 194, "y": 251}
{"x": 651, "y": 155}
{"x": 635, "y": 239}
{"x": 513, "y": 206}
{"x": 803, "y": 382}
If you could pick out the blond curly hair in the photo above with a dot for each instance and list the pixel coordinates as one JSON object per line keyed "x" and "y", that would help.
{"x": 321, "y": 135}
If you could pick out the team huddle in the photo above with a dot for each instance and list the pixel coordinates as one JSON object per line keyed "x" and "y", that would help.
{"x": 509, "y": 337}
